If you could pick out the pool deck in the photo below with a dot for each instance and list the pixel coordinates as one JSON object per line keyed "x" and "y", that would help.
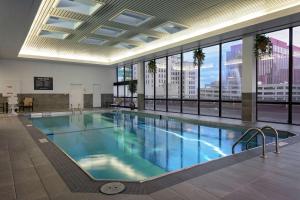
{"x": 26, "y": 173}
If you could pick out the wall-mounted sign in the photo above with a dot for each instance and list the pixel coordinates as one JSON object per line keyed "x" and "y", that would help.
{"x": 43, "y": 83}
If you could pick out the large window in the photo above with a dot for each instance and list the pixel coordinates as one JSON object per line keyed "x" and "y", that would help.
{"x": 161, "y": 84}
{"x": 128, "y": 73}
{"x": 121, "y": 91}
{"x": 134, "y": 72}
{"x": 189, "y": 84}
{"x": 180, "y": 85}
{"x": 214, "y": 88}
{"x": 174, "y": 83}
{"x": 120, "y": 74}
{"x": 209, "y": 82}
{"x": 296, "y": 76}
{"x": 231, "y": 79}
{"x": 149, "y": 88}
{"x": 278, "y": 79}
{"x": 273, "y": 80}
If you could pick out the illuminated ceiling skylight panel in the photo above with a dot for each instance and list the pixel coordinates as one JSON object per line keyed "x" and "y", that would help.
{"x": 124, "y": 45}
{"x": 86, "y": 7}
{"x": 109, "y": 31}
{"x": 144, "y": 38}
{"x": 93, "y": 41}
{"x": 170, "y": 28}
{"x": 63, "y": 23}
{"x": 131, "y": 18}
{"x": 53, "y": 34}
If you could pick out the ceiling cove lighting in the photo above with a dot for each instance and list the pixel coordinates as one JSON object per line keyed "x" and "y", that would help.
{"x": 85, "y": 7}
{"x": 131, "y": 18}
{"x": 109, "y": 31}
{"x": 63, "y": 22}
{"x": 93, "y": 41}
{"x": 53, "y": 34}
{"x": 170, "y": 28}
{"x": 143, "y": 38}
{"x": 125, "y": 45}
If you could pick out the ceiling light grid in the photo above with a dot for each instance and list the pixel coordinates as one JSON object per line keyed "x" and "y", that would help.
{"x": 131, "y": 18}
{"x": 211, "y": 14}
{"x": 84, "y": 7}
{"x": 93, "y": 41}
{"x": 62, "y": 22}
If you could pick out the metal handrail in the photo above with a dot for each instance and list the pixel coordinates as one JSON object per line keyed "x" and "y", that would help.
{"x": 72, "y": 109}
{"x": 258, "y": 131}
{"x": 274, "y": 131}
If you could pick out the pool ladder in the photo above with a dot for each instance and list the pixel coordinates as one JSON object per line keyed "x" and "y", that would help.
{"x": 259, "y": 132}
{"x": 79, "y": 108}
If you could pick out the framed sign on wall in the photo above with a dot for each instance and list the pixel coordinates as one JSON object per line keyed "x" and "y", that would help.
{"x": 43, "y": 83}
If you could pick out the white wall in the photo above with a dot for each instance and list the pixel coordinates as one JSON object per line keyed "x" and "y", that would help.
{"x": 63, "y": 75}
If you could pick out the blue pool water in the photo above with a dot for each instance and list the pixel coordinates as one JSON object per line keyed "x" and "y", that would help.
{"x": 133, "y": 148}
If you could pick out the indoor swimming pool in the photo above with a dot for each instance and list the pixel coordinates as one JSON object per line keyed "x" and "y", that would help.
{"x": 131, "y": 147}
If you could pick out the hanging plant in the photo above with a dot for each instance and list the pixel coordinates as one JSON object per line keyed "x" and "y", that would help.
{"x": 152, "y": 66}
{"x": 199, "y": 56}
{"x": 263, "y": 46}
{"x": 132, "y": 87}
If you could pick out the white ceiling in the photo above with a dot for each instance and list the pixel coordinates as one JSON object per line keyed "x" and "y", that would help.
{"x": 203, "y": 18}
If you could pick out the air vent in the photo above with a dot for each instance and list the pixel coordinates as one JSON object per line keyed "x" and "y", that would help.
{"x": 86, "y": 7}
{"x": 143, "y": 38}
{"x": 124, "y": 45}
{"x": 93, "y": 41}
{"x": 170, "y": 28}
{"x": 131, "y": 18}
{"x": 109, "y": 31}
{"x": 53, "y": 34}
{"x": 63, "y": 22}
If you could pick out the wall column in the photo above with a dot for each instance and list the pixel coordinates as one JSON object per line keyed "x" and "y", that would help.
{"x": 140, "y": 86}
{"x": 249, "y": 80}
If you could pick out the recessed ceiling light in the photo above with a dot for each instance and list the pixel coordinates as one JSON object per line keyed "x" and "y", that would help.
{"x": 93, "y": 41}
{"x": 131, "y": 18}
{"x": 124, "y": 45}
{"x": 143, "y": 38}
{"x": 53, "y": 34}
{"x": 63, "y": 22}
{"x": 86, "y": 7}
{"x": 170, "y": 28}
{"x": 109, "y": 31}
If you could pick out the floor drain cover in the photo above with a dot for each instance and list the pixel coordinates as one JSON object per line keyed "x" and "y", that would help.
{"x": 112, "y": 188}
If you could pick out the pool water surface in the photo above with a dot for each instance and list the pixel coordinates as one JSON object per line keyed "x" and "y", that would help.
{"x": 119, "y": 146}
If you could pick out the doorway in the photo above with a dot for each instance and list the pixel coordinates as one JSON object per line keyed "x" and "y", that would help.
{"x": 76, "y": 96}
{"x": 96, "y": 96}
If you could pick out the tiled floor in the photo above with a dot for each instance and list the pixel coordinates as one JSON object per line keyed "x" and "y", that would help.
{"x": 25, "y": 173}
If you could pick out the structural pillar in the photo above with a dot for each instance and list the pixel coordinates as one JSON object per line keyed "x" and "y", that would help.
{"x": 249, "y": 80}
{"x": 140, "y": 86}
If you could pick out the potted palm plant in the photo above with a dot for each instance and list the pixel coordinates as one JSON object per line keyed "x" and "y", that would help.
{"x": 152, "y": 66}
{"x": 263, "y": 46}
{"x": 199, "y": 56}
{"x": 132, "y": 88}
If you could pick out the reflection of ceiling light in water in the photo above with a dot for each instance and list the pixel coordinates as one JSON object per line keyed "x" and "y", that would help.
{"x": 108, "y": 161}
